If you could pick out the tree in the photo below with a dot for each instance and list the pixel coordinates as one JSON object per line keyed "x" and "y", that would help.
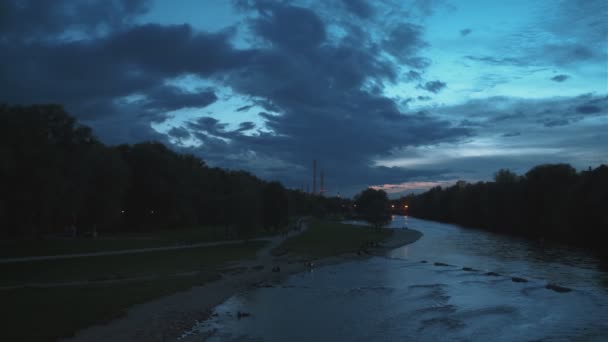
{"x": 275, "y": 206}
{"x": 373, "y": 206}
{"x": 551, "y": 201}
{"x": 54, "y": 173}
{"x": 505, "y": 176}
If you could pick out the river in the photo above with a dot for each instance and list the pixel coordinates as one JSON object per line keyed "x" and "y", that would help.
{"x": 407, "y": 297}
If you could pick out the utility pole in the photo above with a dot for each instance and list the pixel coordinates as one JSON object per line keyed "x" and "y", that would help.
{"x": 322, "y": 189}
{"x": 314, "y": 176}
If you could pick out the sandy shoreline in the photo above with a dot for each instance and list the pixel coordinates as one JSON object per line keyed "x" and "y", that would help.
{"x": 167, "y": 318}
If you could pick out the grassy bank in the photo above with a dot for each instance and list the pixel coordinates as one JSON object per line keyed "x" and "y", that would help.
{"x": 45, "y": 314}
{"x": 326, "y": 238}
{"x": 124, "y": 266}
{"x": 113, "y": 242}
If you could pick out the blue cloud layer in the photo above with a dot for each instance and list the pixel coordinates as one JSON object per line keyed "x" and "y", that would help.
{"x": 347, "y": 83}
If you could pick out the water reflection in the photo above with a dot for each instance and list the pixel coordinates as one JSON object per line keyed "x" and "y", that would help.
{"x": 399, "y": 253}
{"x": 398, "y": 299}
{"x": 501, "y": 253}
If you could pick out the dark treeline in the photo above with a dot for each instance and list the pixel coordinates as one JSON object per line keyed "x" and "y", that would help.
{"x": 55, "y": 174}
{"x": 549, "y": 202}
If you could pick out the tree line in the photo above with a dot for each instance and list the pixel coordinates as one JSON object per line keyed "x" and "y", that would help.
{"x": 55, "y": 174}
{"x": 552, "y": 201}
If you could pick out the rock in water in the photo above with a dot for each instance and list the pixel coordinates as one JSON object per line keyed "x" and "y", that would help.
{"x": 519, "y": 280}
{"x": 557, "y": 288}
{"x": 441, "y": 264}
{"x": 240, "y": 314}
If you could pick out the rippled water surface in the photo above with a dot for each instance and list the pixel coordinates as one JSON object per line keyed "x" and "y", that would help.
{"x": 409, "y": 297}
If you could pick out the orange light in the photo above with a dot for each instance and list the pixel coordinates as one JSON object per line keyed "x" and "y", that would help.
{"x": 405, "y": 206}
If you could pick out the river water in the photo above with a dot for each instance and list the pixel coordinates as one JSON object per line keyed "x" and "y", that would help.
{"x": 407, "y": 297}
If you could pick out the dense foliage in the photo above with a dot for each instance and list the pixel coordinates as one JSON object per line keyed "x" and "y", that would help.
{"x": 373, "y": 206}
{"x": 55, "y": 174}
{"x": 548, "y": 202}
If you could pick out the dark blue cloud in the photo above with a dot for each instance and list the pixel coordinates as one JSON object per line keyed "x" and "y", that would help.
{"x": 169, "y": 98}
{"x": 560, "y": 78}
{"x": 145, "y": 48}
{"x": 562, "y": 54}
{"x": 360, "y": 8}
{"x": 588, "y": 109}
{"x": 49, "y": 20}
{"x": 246, "y": 126}
{"x": 556, "y": 122}
{"x": 244, "y": 108}
{"x": 413, "y": 75}
{"x": 512, "y": 114}
{"x": 321, "y": 92}
{"x": 179, "y": 132}
{"x": 289, "y": 27}
{"x": 433, "y": 86}
{"x": 404, "y": 42}
{"x": 498, "y": 60}
{"x": 323, "y": 113}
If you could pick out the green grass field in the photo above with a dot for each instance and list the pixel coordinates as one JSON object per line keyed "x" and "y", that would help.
{"x": 58, "y": 246}
{"x": 327, "y": 238}
{"x": 126, "y": 265}
{"x": 45, "y": 314}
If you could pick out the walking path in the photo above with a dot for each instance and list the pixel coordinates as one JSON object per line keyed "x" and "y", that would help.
{"x": 168, "y": 317}
{"x": 263, "y": 256}
{"x": 127, "y": 251}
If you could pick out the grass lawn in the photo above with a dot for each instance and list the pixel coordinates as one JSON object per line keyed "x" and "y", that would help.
{"x": 161, "y": 238}
{"x": 45, "y": 314}
{"x": 126, "y": 265}
{"x": 326, "y": 238}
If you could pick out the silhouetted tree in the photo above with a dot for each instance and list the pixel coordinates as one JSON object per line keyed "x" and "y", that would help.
{"x": 275, "y": 209}
{"x": 373, "y": 206}
{"x": 54, "y": 173}
{"x": 550, "y": 201}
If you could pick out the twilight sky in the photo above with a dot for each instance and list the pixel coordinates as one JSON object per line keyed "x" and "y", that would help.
{"x": 394, "y": 93}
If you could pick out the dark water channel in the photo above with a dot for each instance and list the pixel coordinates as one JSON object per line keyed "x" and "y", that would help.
{"x": 402, "y": 298}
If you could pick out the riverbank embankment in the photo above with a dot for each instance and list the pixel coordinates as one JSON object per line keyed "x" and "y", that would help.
{"x": 169, "y": 317}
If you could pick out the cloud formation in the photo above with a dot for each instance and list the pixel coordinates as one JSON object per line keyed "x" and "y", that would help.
{"x": 433, "y": 86}
{"x": 465, "y": 32}
{"x": 345, "y": 83}
{"x": 560, "y": 78}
